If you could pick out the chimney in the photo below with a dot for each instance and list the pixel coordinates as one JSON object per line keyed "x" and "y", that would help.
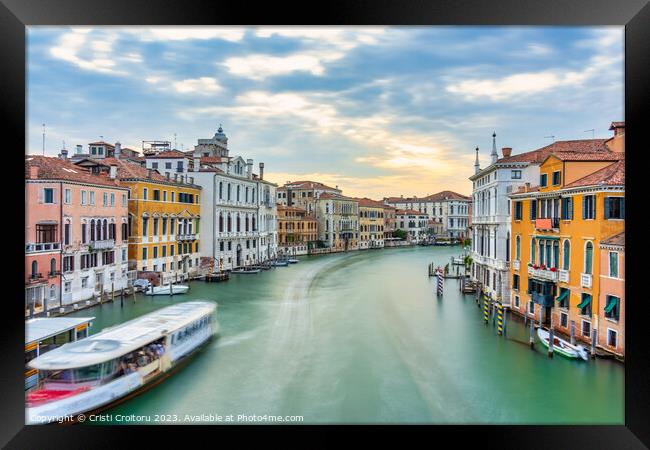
{"x": 175, "y": 177}
{"x": 249, "y": 168}
{"x": 113, "y": 171}
{"x": 118, "y": 150}
{"x": 617, "y": 143}
{"x": 64, "y": 154}
{"x": 167, "y": 176}
{"x": 197, "y": 163}
{"x": 261, "y": 171}
{"x": 33, "y": 172}
{"x": 79, "y": 149}
{"x": 507, "y": 151}
{"x": 527, "y": 188}
{"x": 149, "y": 173}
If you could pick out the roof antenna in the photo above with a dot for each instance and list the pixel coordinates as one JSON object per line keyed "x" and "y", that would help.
{"x": 551, "y": 136}
{"x": 592, "y": 132}
{"x": 174, "y": 141}
{"x": 43, "y": 139}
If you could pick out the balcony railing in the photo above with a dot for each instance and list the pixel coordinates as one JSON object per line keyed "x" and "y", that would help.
{"x": 543, "y": 274}
{"x": 516, "y": 264}
{"x": 563, "y": 276}
{"x": 585, "y": 280}
{"x": 185, "y": 237}
{"x": 551, "y": 223}
{"x": 33, "y": 247}
{"x": 103, "y": 244}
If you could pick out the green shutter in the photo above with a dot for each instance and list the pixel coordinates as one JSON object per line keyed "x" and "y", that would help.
{"x": 608, "y": 207}
{"x": 623, "y": 208}
{"x": 585, "y": 302}
{"x": 584, "y": 206}
{"x": 611, "y": 304}
{"x": 570, "y": 208}
{"x": 563, "y": 296}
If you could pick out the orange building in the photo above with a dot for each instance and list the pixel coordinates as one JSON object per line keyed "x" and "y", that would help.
{"x": 297, "y": 230}
{"x": 557, "y": 230}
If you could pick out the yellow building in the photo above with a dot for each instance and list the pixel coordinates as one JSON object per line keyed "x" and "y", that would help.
{"x": 371, "y": 223}
{"x": 164, "y": 219}
{"x": 557, "y": 228}
{"x": 297, "y": 230}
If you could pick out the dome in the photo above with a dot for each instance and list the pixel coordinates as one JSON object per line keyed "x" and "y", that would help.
{"x": 220, "y": 135}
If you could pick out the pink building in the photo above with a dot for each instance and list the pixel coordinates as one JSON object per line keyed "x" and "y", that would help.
{"x": 611, "y": 315}
{"x": 76, "y": 233}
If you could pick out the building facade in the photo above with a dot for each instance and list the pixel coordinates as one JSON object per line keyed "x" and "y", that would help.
{"x": 304, "y": 194}
{"x": 414, "y": 223}
{"x": 338, "y": 221}
{"x": 558, "y": 228}
{"x": 611, "y": 311}
{"x": 371, "y": 223}
{"x": 297, "y": 230}
{"x": 84, "y": 217}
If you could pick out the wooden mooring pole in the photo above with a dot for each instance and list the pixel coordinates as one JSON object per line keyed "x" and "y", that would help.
{"x": 531, "y": 339}
{"x": 573, "y": 332}
{"x": 551, "y": 337}
{"x": 594, "y": 340}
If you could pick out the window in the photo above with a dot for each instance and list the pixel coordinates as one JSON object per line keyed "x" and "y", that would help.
{"x": 564, "y": 320}
{"x": 515, "y": 281}
{"x": 164, "y": 196}
{"x": 112, "y": 199}
{"x": 83, "y": 197}
{"x": 144, "y": 253}
{"x": 67, "y": 287}
{"x": 156, "y": 195}
{"x": 144, "y": 193}
{"x": 518, "y": 248}
{"x": 566, "y": 255}
{"x": 155, "y": 252}
{"x": 612, "y": 337}
{"x": 46, "y": 233}
{"x": 612, "y": 307}
{"x": 567, "y": 208}
{"x": 517, "y": 212}
{"x": 585, "y": 305}
{"x": 586, "y": 328}
{"x": 589, "y": 250}
{"x": 515, "y": 174}
{"x": 173, "y": 197}
{"x": 66, "y": 234}
{"x": 588, "y": 207}
{"x": 154, "y": 165}
{"x": 557, "y": 178}
{"x": 48, "y": 195}
{"x": 516, "y": 301}
{"x": 84, "y": 282}
{"x": 123, "y": 199}
{"x": 613, "y": 264}
{"x": 92, "y": 197}
{"x": 543, "y": 180}
{"x": 614, "y": 208}
{"x": 563, "y": 298}
{"x": 168, "y": 165}
{"x": 531, "y": 307}
{"x": 67, "y": 196}
{"x": 105, "y": 198}
{"x": 532, "y": 250}
{"x": 533, "y": 209}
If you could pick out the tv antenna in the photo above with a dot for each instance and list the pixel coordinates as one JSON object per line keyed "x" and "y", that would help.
{"x": 592, "y": 132}
{"x": 43, "y": 139}
{"x": 551, "y": 136}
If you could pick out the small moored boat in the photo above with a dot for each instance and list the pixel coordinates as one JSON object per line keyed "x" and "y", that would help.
{"x": 280, "y": 263}
{"x": 293, "y": 261}
{"x": 245, "y": 271}
{"x": 562, "y": 347}
{"x": 165, "y": 290}
{"x": 104, "y": 369}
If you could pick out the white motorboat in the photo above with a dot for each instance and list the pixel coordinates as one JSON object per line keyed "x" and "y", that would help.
{"x": 562, "y": 347}
{"x": 165, "y": 290}
{"x": 293, "y": 261}
{"x": 245, "y": 271}
{"x": 280, "y": 263}
{"x": 95, "y": 373}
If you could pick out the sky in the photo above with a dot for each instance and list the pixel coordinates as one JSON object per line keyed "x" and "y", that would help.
{"x": 377, "y": 111}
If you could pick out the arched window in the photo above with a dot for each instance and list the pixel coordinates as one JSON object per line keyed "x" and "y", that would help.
{"x": 92, "y": 230}
{"x": 567, "y": 254}
{"x": 556, "y": 254}
{"x": 221, "y": 190}
{"x": 52, "y": 266}
{"x": 125, "y": 232}
{"x": 221, "y": 222}
{"x": 98, "y": 230}
{"x": 533, "y": 246}
{"x": 246, "y": 225}
{"x": 238, "y": 192}
{"x": 508, "y": 247}
{"x": 549, "y": 254}
{"x": 229, "y": 222}
{"x": 238, "y": 222}
{"x": 589, "y": 253}
{"x": 105, "y": 229}
{"x": 518, "y": 248}
{"x": 34, "y": 269}
{"x": 254, "y": 223}
{"x": 52, "y": 292}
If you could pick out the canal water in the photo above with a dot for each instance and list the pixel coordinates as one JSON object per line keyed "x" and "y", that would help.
{"x": 361, "y": 337}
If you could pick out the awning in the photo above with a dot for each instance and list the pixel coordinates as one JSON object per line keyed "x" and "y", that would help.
{"x": 563, "y": 296}
{"x": 585, "y": 302}
{"x": 611, "y": 303}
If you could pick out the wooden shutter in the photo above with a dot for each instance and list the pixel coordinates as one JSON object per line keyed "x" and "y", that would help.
{"x": 584, "y": 206}
{"x": 622, "y": 207}
{"x": 608, "y": 207}
{"x": 570, "y": 208}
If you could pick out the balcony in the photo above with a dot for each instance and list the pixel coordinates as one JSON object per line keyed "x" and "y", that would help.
{"x": 552, "y": 223}
{"x": 185, "y": 237}
{"x": 542, "y": 274}
{"x": 42, "y": 247}
{"x": 585, "y": 280}
{"x": 563, "y": 276}
{"x": 516, "y": 264}
{"x": 103, "y": 244}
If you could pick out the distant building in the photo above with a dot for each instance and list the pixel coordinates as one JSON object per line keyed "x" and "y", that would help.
{"x": 338, "y": 221}
{"x": 413, "y": 222}
{"x": 297, "y": 231}
{"x": 303, "y": 194}
{"x": 371, "y": 223}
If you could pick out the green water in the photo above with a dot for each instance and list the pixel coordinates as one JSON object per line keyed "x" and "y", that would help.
{"x": 362, "y": 338}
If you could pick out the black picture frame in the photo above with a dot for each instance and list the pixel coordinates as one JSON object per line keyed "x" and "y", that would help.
{"x": 15, "y": 15}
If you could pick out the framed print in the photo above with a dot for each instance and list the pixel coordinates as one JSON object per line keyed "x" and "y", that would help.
{"x": 379, "y": 214}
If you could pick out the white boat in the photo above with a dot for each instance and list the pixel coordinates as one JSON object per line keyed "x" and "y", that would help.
{"x": 293, "y": 261}
{"x": 562, "y": 347}
{"x": 280, "y": 263}
{"x": 104, "y": 369}
{"x": 245, "y": 271}
{"x": 164, "y": 290}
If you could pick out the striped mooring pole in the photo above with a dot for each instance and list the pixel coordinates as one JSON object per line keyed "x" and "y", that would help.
{"x": 500, "y": 319}
{"x": 486, "y": 309}
{"x": 440, "y": 284}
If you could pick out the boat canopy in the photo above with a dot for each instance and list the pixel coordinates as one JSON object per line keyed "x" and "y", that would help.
{"x": 122, "y": 339}
{"x": 42, "y": 328}
{"x": 563, "y": 295}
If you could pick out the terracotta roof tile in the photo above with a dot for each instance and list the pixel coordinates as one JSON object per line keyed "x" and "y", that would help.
{"x": 367, "y": 202}
{"x": 617, "y": 239}
{"x": 52, "y": 168}
{"x": 307, "y": 185}
{"x": 167, "y": 154}
{"x": 540, "y": 154}
{"x": 588, "y": 156}
{"x": 328, "y": 195}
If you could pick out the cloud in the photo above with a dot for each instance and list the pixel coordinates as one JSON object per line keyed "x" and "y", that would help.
{"x": 260, "y": 66}
{"x": 164, "y": 33}
{"x": 203, "y": 85}
{"x": 75, "y": 48}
